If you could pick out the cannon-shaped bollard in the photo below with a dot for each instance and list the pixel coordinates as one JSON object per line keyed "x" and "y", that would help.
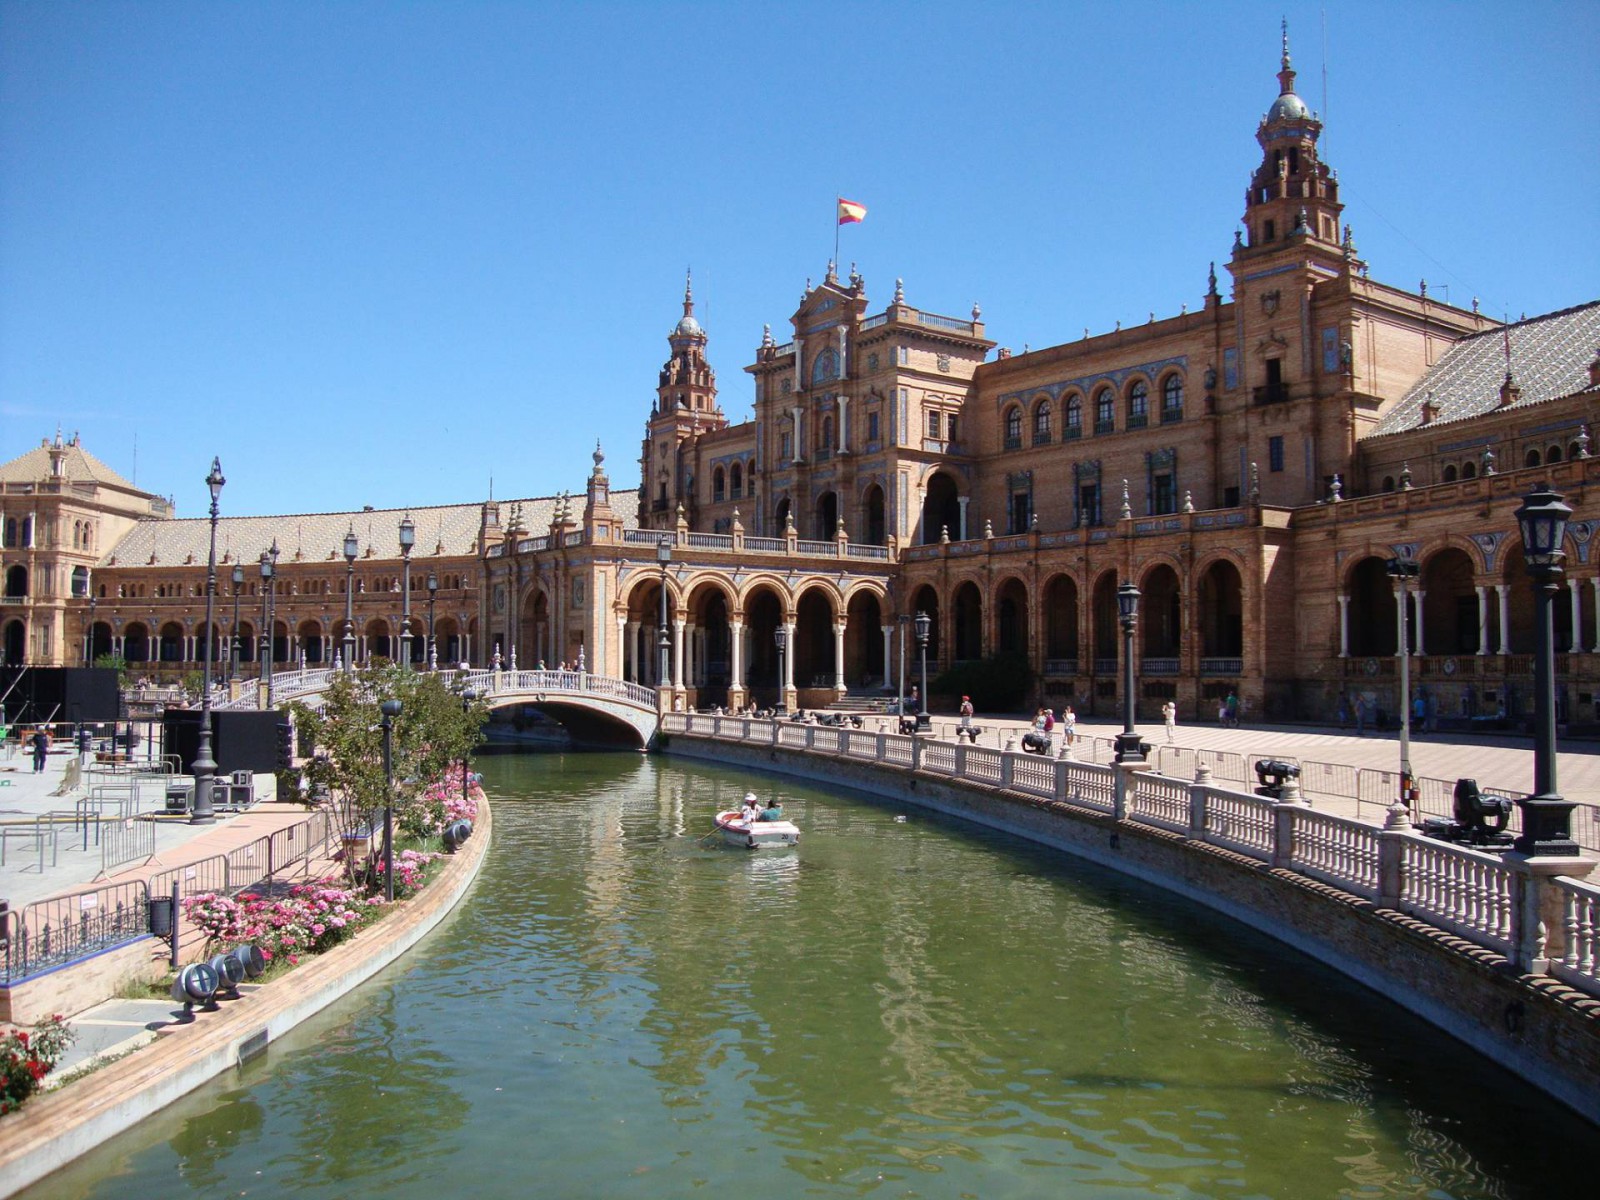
{"x": 1272, "y": 774}
{"x": 196, "y": 984}
{"x": 456, "y": 833}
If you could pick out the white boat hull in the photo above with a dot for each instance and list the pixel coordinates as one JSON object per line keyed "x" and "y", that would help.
{"x": 756, "y": 835}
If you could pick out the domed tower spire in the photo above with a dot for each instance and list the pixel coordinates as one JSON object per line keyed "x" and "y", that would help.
{"x": 1291, "y": 178}
{"x": 686, "y": 406}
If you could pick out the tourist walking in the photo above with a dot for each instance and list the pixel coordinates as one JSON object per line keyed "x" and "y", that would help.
{"x": 966, "y": 712}
{"x": 1069, "y": 724}
{"x": 1169, "y": 717}
{"x": 41, "y": 746}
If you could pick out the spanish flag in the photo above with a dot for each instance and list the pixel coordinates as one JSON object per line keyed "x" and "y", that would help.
{"x": 850, "y": 212}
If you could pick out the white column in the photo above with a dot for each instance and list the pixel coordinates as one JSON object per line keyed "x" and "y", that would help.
{"x": 1421, "y": 642}
{"x": 1483, "y": 619}
{"x": 838, "y": 658}
{"x": 888, "y": 655}
{"x": 798, "y": 452}
{"x": 736, "y": 651}
{"x": 1577, "y": 614}
{"x": 788, "y": 658}
{"x": 1344, "y": 625}
{"x": 1505, "y": 616}
{"x": 623, "y": 649}
{"x": 961, "y": 534}
{"x": 677, "y": 652}
{"x": 1400, "y": 623}
{"x": 844, "y": 425}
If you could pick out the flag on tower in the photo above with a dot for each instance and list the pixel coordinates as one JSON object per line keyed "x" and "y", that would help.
{"x": 850, "y": 212}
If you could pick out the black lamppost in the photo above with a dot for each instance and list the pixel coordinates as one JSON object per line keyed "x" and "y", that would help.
{"x": 1400, "y": 570}
{"x": 781, "y": 637}
{"x": 269, "y": 607}
{"x": 433, "y": 594}
{"x": 205, "y": 767}
{"x": 351, "y": 549}
{"x": 88, "y": 637}
{"x": 1546, "y": 817}
{"x": 923, "y": 624}
{"x": 1128, "y": 613}
{"x": 233, "y": 642}
{"x": 467, "y": 698}
{"x": 390, "y": 710}
{"x": 664, "y": 557}
{"x": 408, "y": 539}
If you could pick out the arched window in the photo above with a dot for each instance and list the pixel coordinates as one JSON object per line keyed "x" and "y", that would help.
{"x": 1074, "y": 417}
{"x": 17, "y": 581}
{"x": 1013, "y": 428}
{"x": 1104, "y": 411}
{"x": 1553, "y": 455}
{"x": 1138, "y": 404}
{"x": 80, "y": 581}
{"x": 11, "y": 533}
{"x": 1172, "y": 397}
{"x": 1041, "y": 423}
{"x": 1450, "y": 474}
{"x": 1532, "y": 459}
{"x": 735, "y": 481}
{"x": 1469, "y": 470}
{"x": 825, "y": 368}
{"x": 718, "y": 490}
{"x": 1388, "y": 483}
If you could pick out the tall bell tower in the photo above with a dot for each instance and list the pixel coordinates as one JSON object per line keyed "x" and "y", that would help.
{"x": 685, "y": 408}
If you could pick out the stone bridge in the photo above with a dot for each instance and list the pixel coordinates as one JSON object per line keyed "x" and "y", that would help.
{"x": 593, "y": 708}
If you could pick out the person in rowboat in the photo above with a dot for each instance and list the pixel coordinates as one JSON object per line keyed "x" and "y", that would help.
{"x": 750, "y": 811}
{"x": 772, "y": 812}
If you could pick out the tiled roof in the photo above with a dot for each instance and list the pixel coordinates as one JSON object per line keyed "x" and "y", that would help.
{"x": 442, "y": 531}
{"x": 1550, "y": 357}
{"x": 78, "y": 464}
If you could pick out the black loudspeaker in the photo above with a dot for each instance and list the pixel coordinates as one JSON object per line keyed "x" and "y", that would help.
{"x": 76, "y": 694}
{"x": 240, "y": 741}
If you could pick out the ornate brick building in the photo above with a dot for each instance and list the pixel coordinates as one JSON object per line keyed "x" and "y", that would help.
{"x": 1249, "y": 465}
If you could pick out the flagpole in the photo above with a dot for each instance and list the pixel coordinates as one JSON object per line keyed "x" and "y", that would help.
{"x": 836, "y": 201}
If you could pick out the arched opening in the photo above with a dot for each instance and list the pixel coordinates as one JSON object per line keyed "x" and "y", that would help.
{"x": 1372, "y": 610}
{"x": 863, "y": 642}
{"x": 708, "y": 659}
{"x": 1107, "y": 638}
{"x": 1520, "y": 598}
{"x": 763, "y": 614}
{"x": 1449, "y": 473}
{"x": 967, "y": 622}
{"x": 1011, "y": 618}
{"x": 813, "y": 636}
{"x": 136, "y": 643}
{"x": 1061, "y": 626}
{"x": 1469, "y": 470}
{"x": 941, "y": 510}
{"x": 377, "y": 639}
{"x": 875, "y": 531}
{"x": 1161, "y": 619}
{"x": 735, "y": 481}
{"x": 309, "y": 643}
{"x": 16, "y": 581}
{"x": 170, "y": 647}
{"x": 447, "y": 641}
{"x": 1449, "y": 604}
{"x": 1531, "y": 459}
{"x": 280, "y": 642}
{"x": 642, "y": 660}
{"x": 99, "y": 641}
{"x": 14, "y": 646}
{"x": 248, "y": 635}
{"x": 782, "y": 515}
{"x": 1221, "y": 615}
{"x": 827, "y": 516}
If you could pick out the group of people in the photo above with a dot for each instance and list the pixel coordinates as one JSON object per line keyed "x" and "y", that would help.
{"x": 752, "y": 810}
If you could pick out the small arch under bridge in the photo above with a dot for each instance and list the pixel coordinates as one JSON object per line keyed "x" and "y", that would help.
{"x": 594, "y": 708}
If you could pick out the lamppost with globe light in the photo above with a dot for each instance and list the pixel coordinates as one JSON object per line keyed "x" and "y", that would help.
{"x": 390, "y": 710}
{"x": 1546, "y": 817}
{"x": 1128, "y": 750}
{"x": 1401, "y": 569}
{"x": 664, "y": 558}
{"x": 408, "y": 539}
{"x": 234, "y": 648}
{"x": 923, "y": 624}
{"x": 269, "y": 608}
{"x": 780, "y": 637}
{"x": 205, "y": 767}
{"x": 352, "y": 547}
{"x": 433, "y": 594}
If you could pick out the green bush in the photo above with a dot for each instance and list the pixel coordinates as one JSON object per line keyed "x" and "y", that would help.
{"x": 1000, "y": 683}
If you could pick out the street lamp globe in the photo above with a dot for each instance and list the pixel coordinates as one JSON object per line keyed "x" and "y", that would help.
{"x": 1128, "y": 603}
{"x": 1543, "y": 520}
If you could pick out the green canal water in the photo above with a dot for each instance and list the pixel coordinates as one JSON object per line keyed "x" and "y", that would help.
{"x": 903, "y": 1006}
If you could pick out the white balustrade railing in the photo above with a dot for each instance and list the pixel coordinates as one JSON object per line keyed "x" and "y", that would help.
{"x": 1089, "y": 786}
{"x": 1239, "y": 822}
{"x": 1336, "y": 850}
{"x": 1465, "y": 891}
{"x": 1034, "y": 774}
{"x": 1579, "y": 964}
{"x": 1158, "y": 800}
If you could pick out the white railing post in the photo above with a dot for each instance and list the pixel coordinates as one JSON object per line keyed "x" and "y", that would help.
{"x": 960, "y": 769}
{"x": 1391, "y": 861}
{"x": 1061, "y": 776}
{"x": 1538, "y": 917}
{"x": 1007, "y": 769}
{"x": 1198, "y": 791}
{"x": 916, "y": 754}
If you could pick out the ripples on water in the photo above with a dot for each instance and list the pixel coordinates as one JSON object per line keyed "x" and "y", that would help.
{"x": 895, "y": 1009}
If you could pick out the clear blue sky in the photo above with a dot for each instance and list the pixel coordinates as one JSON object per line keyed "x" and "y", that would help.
{"x": 376, "y": 253}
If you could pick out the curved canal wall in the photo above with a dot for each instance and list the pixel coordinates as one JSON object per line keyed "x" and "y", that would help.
{"x": 1475, "y": 962}
{"x": 57, "y": 1127}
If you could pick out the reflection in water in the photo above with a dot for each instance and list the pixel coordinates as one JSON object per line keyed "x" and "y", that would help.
{"x": 894, "y": 1008}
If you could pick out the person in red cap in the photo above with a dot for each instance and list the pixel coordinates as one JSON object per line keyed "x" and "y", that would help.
{"x": 966, "y": 712}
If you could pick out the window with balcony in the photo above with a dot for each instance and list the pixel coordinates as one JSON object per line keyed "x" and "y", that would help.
{"x": 1172, "y": 398}
{"x": 1088, "y": 504}
{"x": 1041, "y": 423}
{"x": 1104, "y": 411}
{"x": 933, "y": 426}
{"x": 719, "y": 490}
{"x": 1074, "y": 424}
{"x": 735, "y": 481}
{"x": 1163, "y": 494}
{"x": 1013, "y": 428}
{"x": 1138, "y": 404}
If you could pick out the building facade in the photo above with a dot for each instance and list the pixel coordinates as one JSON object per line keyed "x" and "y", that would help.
{"x": 1250, "y": 465}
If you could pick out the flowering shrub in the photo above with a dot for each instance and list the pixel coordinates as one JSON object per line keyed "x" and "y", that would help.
{"x": 410, "y": 867}
{"x": 27, "y": 1056}
{"x": 438, "y": 804}
{"x": 310, "y": 919}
